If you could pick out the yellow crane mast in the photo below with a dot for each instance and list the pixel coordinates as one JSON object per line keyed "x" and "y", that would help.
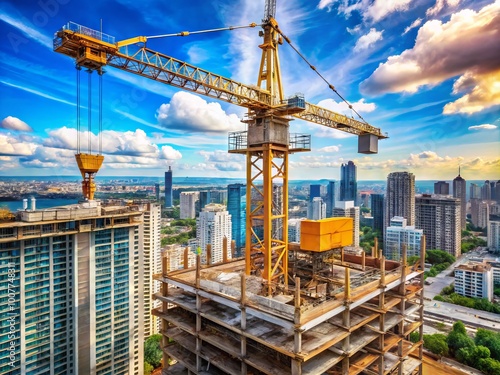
{"x": 267, "y": 143}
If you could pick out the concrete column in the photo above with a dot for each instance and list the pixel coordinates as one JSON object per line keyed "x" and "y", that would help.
{"x": 347, "y": 284}
{"x": 209, "y": 254}
{"x": 186, "y": 257}
{"x": 224, "y": 250}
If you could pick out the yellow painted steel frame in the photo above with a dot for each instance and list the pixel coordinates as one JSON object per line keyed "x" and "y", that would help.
{"x": 269, "y": 70}
{"x": 268, "y": 162}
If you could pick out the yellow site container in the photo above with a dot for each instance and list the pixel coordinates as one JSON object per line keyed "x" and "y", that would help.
{"x": 326, "y": 234}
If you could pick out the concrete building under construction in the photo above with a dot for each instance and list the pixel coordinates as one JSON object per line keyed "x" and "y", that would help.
{"x": 339, "y": 314}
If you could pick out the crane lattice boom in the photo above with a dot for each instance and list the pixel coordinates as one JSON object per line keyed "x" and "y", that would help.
{"x": 160, "y": 67}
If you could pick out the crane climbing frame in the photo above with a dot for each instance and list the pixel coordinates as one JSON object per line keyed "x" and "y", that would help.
{"x": 267, "y": 143}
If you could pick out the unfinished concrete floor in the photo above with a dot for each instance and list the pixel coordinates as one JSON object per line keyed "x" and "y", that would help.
{"x": 352, "y": 317}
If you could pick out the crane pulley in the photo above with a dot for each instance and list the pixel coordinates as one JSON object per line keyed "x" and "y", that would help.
{"x": 267, "y": 143}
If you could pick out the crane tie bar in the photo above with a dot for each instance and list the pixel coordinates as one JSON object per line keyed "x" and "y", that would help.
{"x": 186, "y": 33}
{"x": 318, "y": 73}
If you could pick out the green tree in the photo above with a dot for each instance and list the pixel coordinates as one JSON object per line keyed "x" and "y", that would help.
{"x": 447, "y": 290}
{"x": 414, "y": 336}
{"x": 458, "y": 339}
{"x": 489, "y": 339}
{"x": 148, "y": 369}
{"x": 436, "y": 344}
{"x": 152, "y": 350}
{"x": 438, "y": 257}
{"x": 459, "y": 327}
{"x": 489, "y": 366}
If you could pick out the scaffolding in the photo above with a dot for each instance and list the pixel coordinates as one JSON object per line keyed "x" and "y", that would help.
{"x": 346, "y": 314}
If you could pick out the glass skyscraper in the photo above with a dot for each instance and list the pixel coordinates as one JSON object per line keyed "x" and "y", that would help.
{"x": 348, "y": 182}
{"x": 378, "y": 208}
{"x": 168, "y": 188}
{"x": 236, "y": 206}
{"x": 330, "y": 198}
{"x": 460, "y": 191}
{"x": 314, "y": 192}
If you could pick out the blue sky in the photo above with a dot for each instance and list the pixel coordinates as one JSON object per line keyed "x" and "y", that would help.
{"x": 427, "y": 72}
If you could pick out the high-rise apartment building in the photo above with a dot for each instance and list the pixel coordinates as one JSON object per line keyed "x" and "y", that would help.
{"x": 494, "y": 234}
{"x": 486, "y": 191}
{"x": 157, "y": 192}
{"x": 493, "y": 190}
{"x": 204, "y": 198}
{"x": 399, "y": 234}
{"x": 474, "y": 280}
{"x": 294, "y": 230}
{"x": 347, "y": 209}
{"x": 330, "y": 198}
{"x": 176, "y": 255}
{"x": 348, "y": 182}
{"x": 218, "y": 196}
{"x": 236, "y": 206}
{"x": 377, "y": 208}
{"x": 188, "y": 201}
{"x": 480, "y": 212}
{"x": 152, "y": 264}
{"x": 400, "y": 197}
{"x": 212, "y": 226}
{"x": 168, "y": 188}
{"x": 76, "y": 298}
{"x": 317, "y": 209}
{"x": 442, "y": 188}
{"x": 460, "y": 191}
{"x": 474, "y": 191}
{"x": 439, "y": 217}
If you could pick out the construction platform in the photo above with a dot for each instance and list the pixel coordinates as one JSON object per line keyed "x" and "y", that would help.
{"x": 350, "y": 315}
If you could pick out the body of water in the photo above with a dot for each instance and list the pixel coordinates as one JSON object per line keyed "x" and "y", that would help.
{"x": 40, "y": 203}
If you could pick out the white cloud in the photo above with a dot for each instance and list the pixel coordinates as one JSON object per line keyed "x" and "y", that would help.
{"x": 413, "y": 25}
{"x": 329, "y": 149}
{"x": 483, "y": 127}
{"x": 382, "y": 8}
{"x": 130, "y": 147}
{"x": 440, "y": 5}
{"x": 30, "y": 32}
{"x": 326, "y": 4}
{"x": 223, "y": 161}
{"x": 367, "y": 40}
{"x": 342, "y": 107}
{"x": 481, "y": 91}
{"x": 190, "y": 113}
{"x": 169, "y": 153}
{"x": 11, "y": 146}
{"x": 465, "y": 45}
{"x": 38, "y": 93}
{"x": 197, "y": 54}
{"x": 370, "y": 10}
{"x": 354, "y": 30}
{"x": 48, "y": 157}
{"x": 13, "y": 123}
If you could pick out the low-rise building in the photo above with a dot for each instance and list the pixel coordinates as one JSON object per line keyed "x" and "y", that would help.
{"x": 475, "y": 280}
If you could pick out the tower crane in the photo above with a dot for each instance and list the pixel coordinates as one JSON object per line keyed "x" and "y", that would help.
{"x": 267, "y": 143}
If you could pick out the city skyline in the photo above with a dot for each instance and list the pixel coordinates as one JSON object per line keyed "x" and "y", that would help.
{"x": 378, "y": 56}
